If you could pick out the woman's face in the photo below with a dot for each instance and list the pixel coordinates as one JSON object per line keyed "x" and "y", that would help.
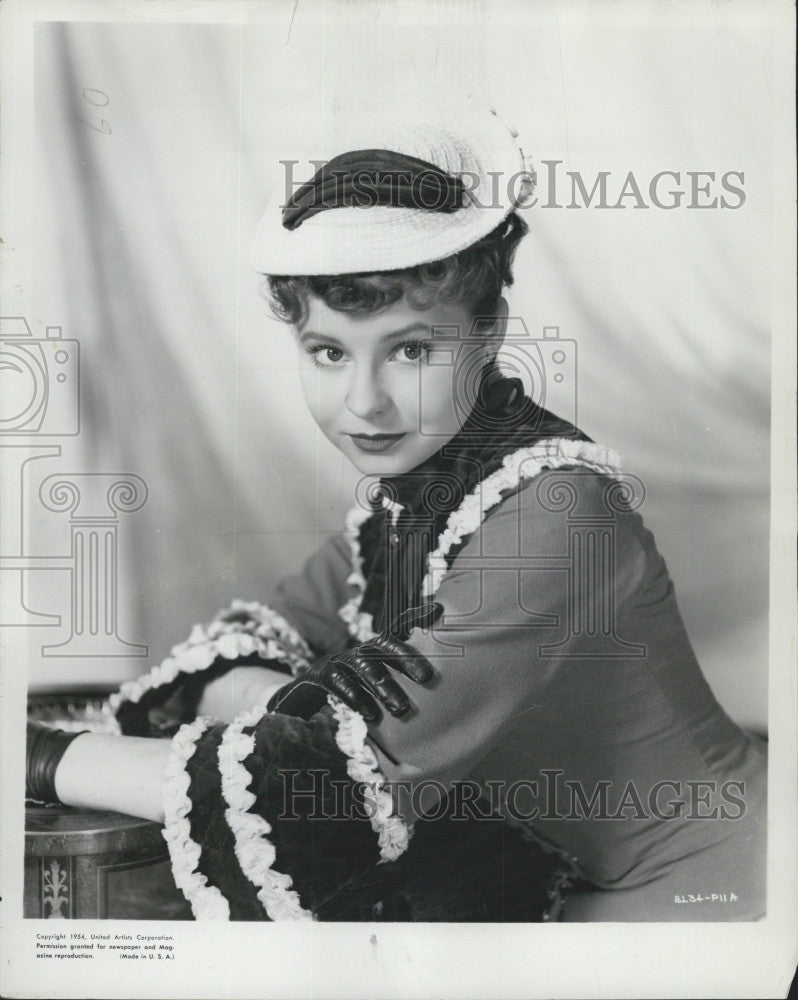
{"x": 384, "y": 388}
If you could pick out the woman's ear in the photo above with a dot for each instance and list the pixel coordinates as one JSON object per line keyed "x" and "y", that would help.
{"x": 494, "y": 334}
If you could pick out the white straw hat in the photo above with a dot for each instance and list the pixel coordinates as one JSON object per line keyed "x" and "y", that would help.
{"x": 463, "y": 139}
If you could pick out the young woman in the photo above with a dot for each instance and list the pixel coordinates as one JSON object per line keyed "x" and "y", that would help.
{"x": 496, "y": 713}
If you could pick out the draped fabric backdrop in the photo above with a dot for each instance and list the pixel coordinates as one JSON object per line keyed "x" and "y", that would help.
{"x": 157, "y": 146}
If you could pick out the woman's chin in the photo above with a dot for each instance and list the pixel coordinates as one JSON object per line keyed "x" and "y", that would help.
{"x": 393, "y": 463}
{"x": 380, "y": 465}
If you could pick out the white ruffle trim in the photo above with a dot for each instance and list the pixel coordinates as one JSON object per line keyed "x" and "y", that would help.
{"x": 392, "y": 831}
{"x": 207, "y": 902}
{"x": 360, "y": 624}
{"x": 264, "y": 632}
{"x": 254, "y": 850}
{"x": 526, "y": 463}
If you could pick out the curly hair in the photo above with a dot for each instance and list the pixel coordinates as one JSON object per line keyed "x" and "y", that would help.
{"x": 473, "y": 277}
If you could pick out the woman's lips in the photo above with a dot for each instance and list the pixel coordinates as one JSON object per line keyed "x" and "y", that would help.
{"x": 374, "y": 443}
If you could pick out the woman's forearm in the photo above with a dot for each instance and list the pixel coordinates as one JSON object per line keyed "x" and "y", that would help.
{"x": 125, "y": 773}
{"x": 118, "y": 773}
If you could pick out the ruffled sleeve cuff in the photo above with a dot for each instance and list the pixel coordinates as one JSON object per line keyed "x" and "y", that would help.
{"x": 267, "y": 818}
{"x": 246, "y": 633}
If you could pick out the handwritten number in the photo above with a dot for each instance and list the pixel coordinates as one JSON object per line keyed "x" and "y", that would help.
{"x": 103, "y": 126}
{"x": 98, "y": 99}
{"x": 95, "y": 97}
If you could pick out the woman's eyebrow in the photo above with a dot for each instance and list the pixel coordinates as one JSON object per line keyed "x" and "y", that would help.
{"x": 312, "y": 335}
{"x": 403, "y": 331}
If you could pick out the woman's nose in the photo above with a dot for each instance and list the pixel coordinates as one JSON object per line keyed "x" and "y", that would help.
{"x": 366, "y": 397}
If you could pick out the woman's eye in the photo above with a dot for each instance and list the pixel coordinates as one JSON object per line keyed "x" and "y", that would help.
{"x": 417, "y": 351}
{"x": 323, "y": 356}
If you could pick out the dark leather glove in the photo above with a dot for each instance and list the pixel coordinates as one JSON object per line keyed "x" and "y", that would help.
{"x": 45, "y": 748}
{"x": 360, "y": 677}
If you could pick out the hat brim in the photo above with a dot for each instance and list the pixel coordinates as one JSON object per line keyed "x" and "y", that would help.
{"x": 461, "y": 137}
{"x": 350, "y": 240}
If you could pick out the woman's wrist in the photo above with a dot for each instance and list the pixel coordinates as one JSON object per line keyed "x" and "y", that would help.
{"x": 238, "y": 690}
{"x": 44, "y": 751}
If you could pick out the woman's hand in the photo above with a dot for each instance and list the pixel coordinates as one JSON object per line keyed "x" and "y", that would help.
{"x": 360, "y": 677}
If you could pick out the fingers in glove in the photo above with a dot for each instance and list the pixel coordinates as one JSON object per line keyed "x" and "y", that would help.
{"x": 353, "y": 692}
{"x": 374, "y": 675}
{"x": 402, "y": 658}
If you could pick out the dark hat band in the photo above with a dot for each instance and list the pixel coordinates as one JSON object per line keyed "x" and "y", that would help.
{"x": 366, "y": 178}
